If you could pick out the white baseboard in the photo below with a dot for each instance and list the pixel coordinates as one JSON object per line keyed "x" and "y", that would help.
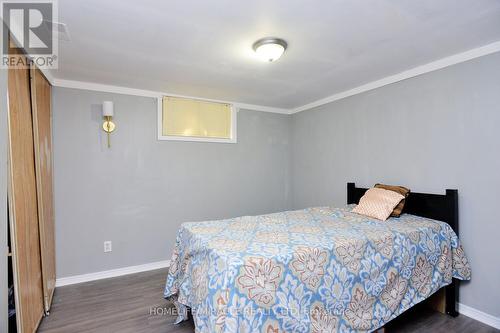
{"x": 65, "y": 281}
{"x": 479, "y": 315}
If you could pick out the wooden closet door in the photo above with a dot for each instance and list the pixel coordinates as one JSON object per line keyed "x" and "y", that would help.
{"x": 23, "y": 217}
{"x": 42, "y": 130}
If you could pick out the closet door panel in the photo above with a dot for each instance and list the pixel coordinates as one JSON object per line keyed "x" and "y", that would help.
{"x": 23, "y": 204}
{"x": 42, "y": 129}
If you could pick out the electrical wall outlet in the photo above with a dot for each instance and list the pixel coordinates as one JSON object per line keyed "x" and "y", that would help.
{"x": 107, "y": 246}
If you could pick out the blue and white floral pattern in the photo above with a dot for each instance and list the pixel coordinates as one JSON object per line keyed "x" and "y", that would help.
{"x": 314, "y": 270}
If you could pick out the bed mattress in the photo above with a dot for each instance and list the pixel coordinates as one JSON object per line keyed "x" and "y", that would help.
{"x": 319, "y": 269}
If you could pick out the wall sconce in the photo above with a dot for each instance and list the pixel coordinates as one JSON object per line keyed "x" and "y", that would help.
{"x": 107, "y": 112}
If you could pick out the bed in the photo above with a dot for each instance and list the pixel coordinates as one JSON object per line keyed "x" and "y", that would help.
{"x": 319, "y": 269}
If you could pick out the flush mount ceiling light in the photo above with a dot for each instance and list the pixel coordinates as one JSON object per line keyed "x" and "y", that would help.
{"x": 269, "y": 48}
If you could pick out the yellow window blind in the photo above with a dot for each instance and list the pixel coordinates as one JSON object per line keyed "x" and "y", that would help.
{"x": 194, "y": 118}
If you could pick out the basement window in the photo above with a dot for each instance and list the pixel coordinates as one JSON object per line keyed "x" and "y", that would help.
{"x": 184, "y": 119}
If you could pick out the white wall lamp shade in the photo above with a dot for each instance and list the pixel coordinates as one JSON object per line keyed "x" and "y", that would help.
{"x": 107, "y": 112}
{"x": 269, "y": 49}
{"x": 107, "y": 109}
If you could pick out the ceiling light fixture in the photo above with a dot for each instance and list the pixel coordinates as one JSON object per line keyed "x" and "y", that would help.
{"x": 269, "y": 48}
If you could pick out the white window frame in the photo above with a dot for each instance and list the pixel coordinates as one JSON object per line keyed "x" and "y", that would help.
{"x": 232, "y": 139}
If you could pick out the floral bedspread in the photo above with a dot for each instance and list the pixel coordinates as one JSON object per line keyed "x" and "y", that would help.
{"x": 314, "y": 270}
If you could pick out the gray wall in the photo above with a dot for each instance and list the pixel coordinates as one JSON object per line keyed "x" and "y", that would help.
{"x": 436, "y": 131}
{"x": 432, "y": 132}
{"x": 138, "y": 192}
{"x": 3, "y": 201}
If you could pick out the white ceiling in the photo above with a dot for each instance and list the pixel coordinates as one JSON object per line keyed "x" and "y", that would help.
{"x": 203, "y": 48}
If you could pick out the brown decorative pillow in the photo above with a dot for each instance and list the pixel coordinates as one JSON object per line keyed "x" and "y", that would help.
{"x": 378, "y": 203}
{"x": 405, "y": 192}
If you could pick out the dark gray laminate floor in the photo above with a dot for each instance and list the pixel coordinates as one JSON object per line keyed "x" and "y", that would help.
{"x": 124, "y": 304}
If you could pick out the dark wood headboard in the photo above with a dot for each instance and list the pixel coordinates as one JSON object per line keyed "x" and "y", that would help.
{"x": 442, "y": 207}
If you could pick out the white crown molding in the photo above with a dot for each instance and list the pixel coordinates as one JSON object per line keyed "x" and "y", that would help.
{"x": 427, "y": 68}
{"x": 260, "y": 108}
{"x": 155, "y": 94}
{"x": 479, "y": 315}
{"x": 66, "y": 281}
{"x": 48, "y": 75}
{"x": 430, "y": 67}
{"x": 104, "y": 88}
